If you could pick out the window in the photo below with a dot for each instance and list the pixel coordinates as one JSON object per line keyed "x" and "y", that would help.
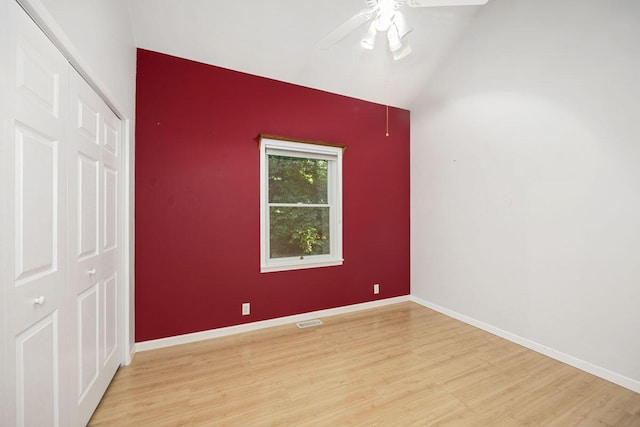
{"x": 300, "y": 204}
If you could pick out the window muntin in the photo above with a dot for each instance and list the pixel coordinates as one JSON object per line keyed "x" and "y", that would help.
{"x": 301, "y": 212}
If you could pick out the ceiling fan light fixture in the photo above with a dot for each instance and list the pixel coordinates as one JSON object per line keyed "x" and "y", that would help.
{"x": 401, "y": 24}
{"x": 383, "y": 22}
{"x": 369, "y": 40}
{"x": 394, "y": 39}
{"x": 385, "y": 17}
{"x": 402, "y": 52}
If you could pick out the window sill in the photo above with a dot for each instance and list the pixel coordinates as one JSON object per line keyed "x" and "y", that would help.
{"x": 299, "y": 265}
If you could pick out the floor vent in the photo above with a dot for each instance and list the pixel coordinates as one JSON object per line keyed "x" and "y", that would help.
{"x": 309, "y": 323}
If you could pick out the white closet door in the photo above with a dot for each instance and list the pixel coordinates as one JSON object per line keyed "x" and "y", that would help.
{"x": 60, "y": 230}
{"x": 94, "y": 255}
{"x": 35, "y": 280}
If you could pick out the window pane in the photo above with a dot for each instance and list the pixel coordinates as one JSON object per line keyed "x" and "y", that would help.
{"x": 299, "y": 231}
{"x": 297, "y": 180}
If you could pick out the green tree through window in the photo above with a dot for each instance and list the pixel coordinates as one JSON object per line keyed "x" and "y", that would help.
{"x": 302, "y": 229}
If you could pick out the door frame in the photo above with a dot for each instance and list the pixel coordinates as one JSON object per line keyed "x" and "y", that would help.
{"x": 41, "y": 16}
{"x": 4, "y": 207}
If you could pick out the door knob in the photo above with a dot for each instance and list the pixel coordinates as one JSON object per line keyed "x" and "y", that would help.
{"x": 39, "y": 300}
{"x": 92, "y": 272}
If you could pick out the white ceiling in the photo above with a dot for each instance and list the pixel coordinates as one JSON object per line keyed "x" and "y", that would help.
{"x": 278, "y": 38}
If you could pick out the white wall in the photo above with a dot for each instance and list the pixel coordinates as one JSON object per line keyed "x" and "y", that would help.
{"x": 100, "y": 37}
{"x": 101, "y": 32}
{"x": 526, "y": 179}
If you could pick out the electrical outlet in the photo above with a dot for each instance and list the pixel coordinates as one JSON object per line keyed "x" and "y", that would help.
{"x": 376, "y": 288}
{"x": 246, "y": 309}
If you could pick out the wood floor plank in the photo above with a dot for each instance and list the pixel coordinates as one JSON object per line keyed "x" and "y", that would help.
{"x": 397, "y": 365}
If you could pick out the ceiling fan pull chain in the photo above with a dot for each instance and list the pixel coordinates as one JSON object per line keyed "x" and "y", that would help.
{"x": 387, "y": 133}
{"x": 387, "y": 102}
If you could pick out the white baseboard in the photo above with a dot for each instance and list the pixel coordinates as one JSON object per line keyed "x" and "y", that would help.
{"x": 598, "y": 371}
{"x": 132, "y": 353}
{"x": 246, "y": 327}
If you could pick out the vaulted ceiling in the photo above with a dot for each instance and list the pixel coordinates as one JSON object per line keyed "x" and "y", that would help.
{"x": 278, "y": 39}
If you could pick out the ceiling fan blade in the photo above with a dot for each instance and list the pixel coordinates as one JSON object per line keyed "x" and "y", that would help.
{"x": 435, "y": 3}
{"x": 343, "y": 30}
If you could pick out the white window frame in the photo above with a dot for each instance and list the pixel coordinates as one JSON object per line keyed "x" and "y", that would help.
{"x": 285, "y": 147}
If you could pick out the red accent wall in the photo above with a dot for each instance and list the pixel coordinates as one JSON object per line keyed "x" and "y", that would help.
{"x": 197, "y": 197}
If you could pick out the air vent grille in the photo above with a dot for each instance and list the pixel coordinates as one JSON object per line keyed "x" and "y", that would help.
{"x": 309, "y": 323}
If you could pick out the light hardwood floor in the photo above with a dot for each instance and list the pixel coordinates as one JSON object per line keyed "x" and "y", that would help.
{"x": 398, "y": 365}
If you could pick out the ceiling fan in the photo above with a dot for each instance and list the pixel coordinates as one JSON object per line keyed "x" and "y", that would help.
{"x": 385, "y": 16}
